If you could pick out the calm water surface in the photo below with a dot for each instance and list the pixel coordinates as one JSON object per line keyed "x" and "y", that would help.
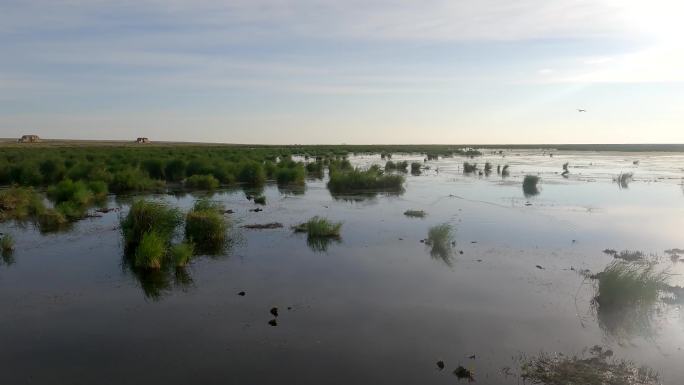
{"x": 375, "y": 307}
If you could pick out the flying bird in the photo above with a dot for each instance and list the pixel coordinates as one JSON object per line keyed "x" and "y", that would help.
{"x": 581, "y": 110}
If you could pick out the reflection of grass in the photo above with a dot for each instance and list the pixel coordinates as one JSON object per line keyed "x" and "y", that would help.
{"x": 597, "y": 369}
{"x": 530, "y": 185}
{"x": 440, "y": 239}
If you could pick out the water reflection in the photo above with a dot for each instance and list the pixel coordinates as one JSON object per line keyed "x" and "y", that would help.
{"x": 8, "y": 257}
{"x": 321, "y": 244}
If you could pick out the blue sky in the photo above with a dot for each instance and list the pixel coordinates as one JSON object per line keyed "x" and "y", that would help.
{"x": 321, "y": 71}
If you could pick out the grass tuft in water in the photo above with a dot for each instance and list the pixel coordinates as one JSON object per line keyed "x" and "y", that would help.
{"x": 623, "y": 179}
{"x": 415, "y": 168}
{"x": 148, "y": 216}
{"x": 20, "y": 203}
{"x": 318, "y": 227}
{"x": 150, "y": 252}
{"x": 469, "y": 168}
{"x": 441, "y": 241}
{"x": 629, "y": 283}
{"x": 6, "y": 243}
{"x": 260, "y": 200}
{"x": 415, "y": 213}
{"x": 530, "y": 185}
{"x": 358, "y": 181}
{"x": 205, "y": 227}
{"x": 181, "y": 253}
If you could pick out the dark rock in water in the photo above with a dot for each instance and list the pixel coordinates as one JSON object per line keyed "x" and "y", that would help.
{"x": 473, "y": 357}
{"x": 259, "y": 226}
{"x": 540, "y": 267}
{"x": 274, "y": 311}
{"x": 460, "y": 252}
{"x": 256, "y": 210}
{"x": 242, "y": 294}
{"x": 249, "y": 197}
{"x": 289, "y": 308}
{"x": 453, "y": 243}
{"x": 229, "y": 212}
{"x": 612, "y": 252}
{"x": 440, "y": 365}
{"x": 528, "y": 204}
{"x": 273, "y": 322}
{"x": 464, "y": 374}
{"x": 422, "y": 241}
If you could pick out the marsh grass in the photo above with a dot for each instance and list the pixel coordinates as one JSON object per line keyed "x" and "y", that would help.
{"x": 415, "y": 168}
{"x": 487, "y": 168}
{"x": 623, "y": 179}
{"x": 396, "y": 166}
{"x": 415, "y": 213}
{"x": 150, "y": 252}
{"x": 51, "y": 220}
{"x": 318, "y": 227}
{"x": 202, "y": 182}
{"x": 629, "y": 283}
{"x": 359, "y": 181}
{"x": 206, "y": 228}
{"x": 469, "y": 168}
{"x": 293, "y": 175}
{"x": 505, "y": 171}
{"x": 20, "y": 203}
{"x": 260, "y": 200}
{"x": 181, "y": 253}
{"x": 530, "y": 185}
{"x": 6, "y": 243}
{"x": 440, "y": 240}
{"x": 149, "y": 216}
{"x": 598, "y": 368}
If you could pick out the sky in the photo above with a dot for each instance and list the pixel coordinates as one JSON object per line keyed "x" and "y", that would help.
{"x": 345, "y": 71}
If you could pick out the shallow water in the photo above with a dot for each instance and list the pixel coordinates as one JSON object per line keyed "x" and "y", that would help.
{"x": 375, "y": 307}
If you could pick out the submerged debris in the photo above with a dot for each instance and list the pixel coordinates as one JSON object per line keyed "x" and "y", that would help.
{"x": 597, "y": 369}
{"x": 415, "y": 213}
{"x": 440, "y": 364}
{"x": 256, "y": 210}
{"x": 273, "y": 322}
{"x": 242, "y": 294}
{"x": 274, "y": 311}
{"x": 259, "y": 226}
{"x": 464, "y": 374}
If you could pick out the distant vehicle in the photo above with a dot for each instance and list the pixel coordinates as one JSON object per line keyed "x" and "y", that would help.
{"x": 142, "y": 140}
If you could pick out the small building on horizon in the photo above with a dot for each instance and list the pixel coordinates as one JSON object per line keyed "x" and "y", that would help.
{"x": 142, "y": 140}
{"x": 29, "y": 139}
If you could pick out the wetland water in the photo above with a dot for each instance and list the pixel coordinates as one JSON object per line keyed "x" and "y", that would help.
{"x": 377, "y": 306}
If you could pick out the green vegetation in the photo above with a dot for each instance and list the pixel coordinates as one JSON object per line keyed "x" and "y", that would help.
{"x": 415, "y": 168}
{"x": 260, "y": 200}
{"x": 319, "y": 227}
{"x": 469, "y": 168}
{"x": 530, "y": 185}
{"x": 181, "y": 253}
{"x": 398, "y": 166}
{"x": 20, "y": 203}
{"x": 293, "y": 174}
{"x": 629, "y": 283}
{"x": 72, "y": 199}
{"x": 415, "y": 213}
{"x": 150, "y": 252}
{"x": 6, "y": 243}
{"x": 359, "y": 181}
{"x": 206, "y": 227}
{"x": 596, "y": 369}
{"x": 504, "y": 171}
{"x": 487, "y": 168}
{"x": 146, "y": 217}
{"x": 202, "y": 182}
{"x": 441, "y": 241}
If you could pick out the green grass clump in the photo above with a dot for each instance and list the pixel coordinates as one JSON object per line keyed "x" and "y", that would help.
{"x": 203, "y": 182}
{"x": 487, "y": 168}
{"x": 148, "y": 216}
{"x": 150, "y": 252}
{"x": 181, "y": 253}
{"x": 20, "y": 203}
{"x": 260, "y": 200}
{"x": 51, "y": 220}
{"x": 134, "y": 180}
{"x": 469, "y": 168}
{"x": 6, "y": 243}
{"x": 315, "y": 169}
{"x": 318, "y": 227}
{"x": 251, "y": 173}
{"x": 396, "y": 166}
{"x": 206, "y": 228}
{"x": 360, "y": 181}
{"x": 624, "y": 283}
{"x": 415, "y": 213}
{"x": 294, "y": 175}
{"x": 530, "y": 185}
{"x": 504, "y": 171}
{"x": 415, "y": 168}
{"x": 440, "y": 239}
